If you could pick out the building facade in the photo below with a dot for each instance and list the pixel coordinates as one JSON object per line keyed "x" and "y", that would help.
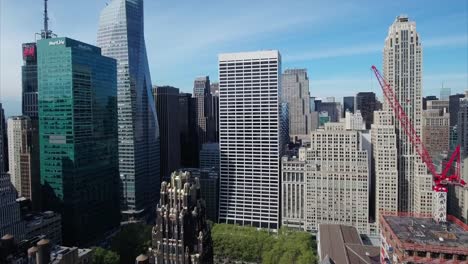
{"x": 166, "y": 99}
{"x": 209, "y": 156}
{"x": 442, "y": 105}
{"x": 367, "y": 103}
{"x": 121, "y": 36}
{"x": 295, "y": 86}
{"x": 436, "y": 131}
{"x": 293, "y": 185}
{"x": 188, "y": 132}
{"x": 354, "y": 121}
{"x": 348, "y": 104}
{"x": 445, "y": 93}
{"x": 78, "y": 139}
{"x": 402, "y": 68}
{"x": 10, "y": 217}
{"x": 333, "y": 109}
{"x": 204, "y": 113}
{"x": 181, "y": 233}
{"x": 29, "y": 81}
{"x": 23, "y": 155}
{"x": 454, "y": 106}
{"x": 384, "y": 163}
{"x": 250, "y": 138}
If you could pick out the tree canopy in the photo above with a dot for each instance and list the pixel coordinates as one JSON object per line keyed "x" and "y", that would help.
{"x": 131, "y": 241}
{"x": 248, "y": 244}
{"x": 102, "y": 256}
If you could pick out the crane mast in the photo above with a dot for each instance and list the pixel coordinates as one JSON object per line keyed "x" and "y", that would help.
{"x": 440, "y": 180}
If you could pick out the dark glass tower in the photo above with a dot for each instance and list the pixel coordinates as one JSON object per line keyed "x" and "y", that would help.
{"x": 78, "y": 139}
{"x": 29, "y": 78}
{"x": 367, "y": 103}
{"x": 121, "y": 36}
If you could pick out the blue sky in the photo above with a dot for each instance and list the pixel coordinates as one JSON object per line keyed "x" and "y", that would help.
{"x": 337, "y": 41}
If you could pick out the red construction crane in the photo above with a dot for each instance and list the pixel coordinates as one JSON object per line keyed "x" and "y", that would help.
{"x": 441, "y": 180}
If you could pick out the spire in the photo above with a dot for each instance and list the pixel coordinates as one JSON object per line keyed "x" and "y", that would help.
{"x": 46, "y": 33}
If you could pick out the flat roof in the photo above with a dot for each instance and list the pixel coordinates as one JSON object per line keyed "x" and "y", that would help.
{"x": 426, "y": 232}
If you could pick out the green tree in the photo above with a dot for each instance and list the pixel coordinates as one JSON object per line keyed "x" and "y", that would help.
{"x": 131, "y": 241}
{"x": 102, "y": 256}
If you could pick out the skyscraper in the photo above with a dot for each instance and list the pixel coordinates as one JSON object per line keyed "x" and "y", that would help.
{"x": 348, "y": 104}
{"x": 367, "y": 103}
{"x": 402, "y": 68}
{"x": 332, "y": 108}
{"x": 121, "y": 36}
{"x": 250, "y": 138}
{"x": 3, "y": 144}
{"x": 215, "y": 109}
{"x": 295, "y": 86}
{"x": 23, "y": 154}
{"x": 181, "y": 233}
{"x": 384, "y": 163}
{"x": 29, "y": 80}
{"x": 204, "y": 112}
{"x": 454, "y": 106}
{"x": 188, "y": 131}
{"x": 209, "y": 156}
{"x": 436, "y": 131}
{"x": 445, "y": 93}
{"x": 10, "y": 217}
{"x": 167, "y": 101}
{"x": 78, "y": 140}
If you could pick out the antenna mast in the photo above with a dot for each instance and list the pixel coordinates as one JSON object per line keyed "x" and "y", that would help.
{"x": 46, "y": 33}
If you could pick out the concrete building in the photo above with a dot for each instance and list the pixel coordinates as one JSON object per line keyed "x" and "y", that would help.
{"x": 166, "y": 99}
{"x": 354, "y": 121}
{"x": 332, "y": 108}
{"x": 402, "y": 68}
{"x": 48, "y": 224}
{"x": 250, "y": 138}
{"x": 23, "y": 151}
{"x": 181, "y": 233}
{"x": 427, "y": 99}
{"x": 408, "y": 238}
{"x": 367, "y": 103}
{"x": 436, "y": 131}
{"x": 121, "y": 36}
{"x": 334, "y": 174}
{"x": 295, "y": 85}
{"x": 209, "y": 156}
{"x": 10, "y": 216}
{"x": 342, "y": 244}
{"x": 442, "y": 105}
{"x": 384, "y": 163}
{"x": 204, "y": 113}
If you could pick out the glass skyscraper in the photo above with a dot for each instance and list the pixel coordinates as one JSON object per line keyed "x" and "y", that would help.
{"x": 78, "y": 139}
{"x": 29, "y": 80}
{"x": 121, "y": 36}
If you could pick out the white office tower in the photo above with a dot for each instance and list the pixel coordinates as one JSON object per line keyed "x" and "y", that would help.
{"x": 385, "y": 167}
{"x": 402, "y": 68}
{"x": 354, "y": 121}
{"x": 16, "y": 126}
{"x": 295, "y": 86}
{"x": 251, "y": 134}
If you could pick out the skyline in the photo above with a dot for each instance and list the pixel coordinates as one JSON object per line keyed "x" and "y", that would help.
{"x": 314, "y": 36}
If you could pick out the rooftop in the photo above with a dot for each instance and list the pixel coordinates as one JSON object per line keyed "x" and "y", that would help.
{"x": 425, "y": 231}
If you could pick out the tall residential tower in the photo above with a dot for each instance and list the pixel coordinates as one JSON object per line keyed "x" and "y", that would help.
{"x": 121, "y": 36}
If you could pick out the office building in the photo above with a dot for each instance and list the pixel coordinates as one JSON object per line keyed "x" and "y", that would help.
{"x": 329, "y": 182}
{"x": 10, "y": 216}
{"x": 436, "y": 131}
{"x": 333, "y": 109}
{"x": 445, "y": 93}
{"x": 205, "y": 119}
{"x": 384, "y": 163}
{"x": 462, "y": 127}
{"x": 442, "y": 105}
{"x": 323, "y": 118}
{"x": 166, "y": 99}
{"x": 367, "y": 103}
{"x": 343, "y": 244}
{"x": 348, "y": 104}
{"x": 250, "y": 138}
{"x": 209, "y": 189}
{"x": 3, "y": 142}
{"x": 29, "y": 81}
{"x": 181, "y": 233}
{"x": 454, "y": 106}
{"x": 418, "y": 239}
{"x": 427, "y": 99}
{"x": 48, "y": 224}
{"x": 215, "y": 108}
{"x": 295, "y": 87}
{"x": 23, "y": 155}
{"x": 209, "y": 156}
{"x": 78, "y": 139}
{"x": 402, "y": 68}
{"x": 188, "y": 132}
{"x": 354, "y": 121}
{"x": 121, "y": 36}
{"x": 314, "y": 120}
